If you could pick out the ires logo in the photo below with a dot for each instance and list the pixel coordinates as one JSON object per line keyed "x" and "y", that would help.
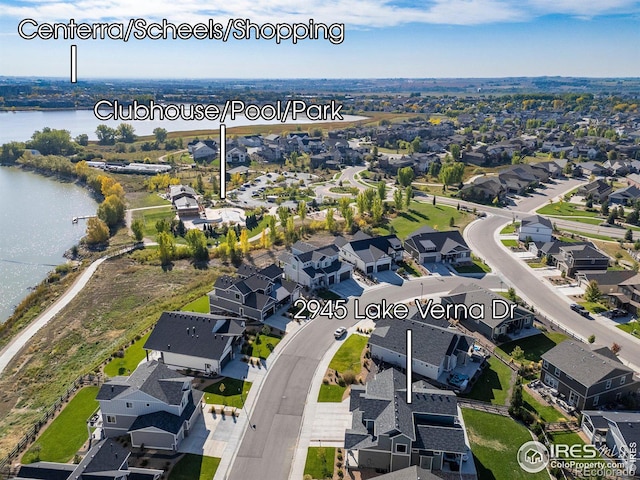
{"x": 534, "y": 457}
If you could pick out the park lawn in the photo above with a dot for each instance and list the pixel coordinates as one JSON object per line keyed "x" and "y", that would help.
{"x": 435, "y": 216}
{"x": 565, "y": 209}
{"x": 148, "y": 200}
{"x": 495, "y": 441}
{"x": 546, "y": 413}
{"x": 266, "y": 346}
{"x": 150, "y": 217}
{"x": 632, "y": 328}
{"x": 594, "y": 307}
{"x": 320, "y": 461}
{"x": 533, "y": 347}
{"x": 199, "y": 305}
{"x": 331, "y": 393}
{"x": 194, "y": 467}
{"x": 509, "y": 243}
{"x": 262, "y": 224}
{"x": 511, "y": 228}
{"x": 67, "y": 433}
{"x": 493, "y": 384}
{"x": 595, "y": 236}
{"x": 133, "y": 355}
{"x": 348, "y": 355}
{"x": 231, "y": 396}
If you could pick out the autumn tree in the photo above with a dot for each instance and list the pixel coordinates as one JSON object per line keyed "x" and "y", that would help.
{"x": 330, "y": 221}
{"x": 111, "y": 211}
{"x": 166, "y": 247}
{"x": 97, "y": 231}
{"x": 244, "y": 241}
{"x": 405, "y": 176}
{"x": 197, "y": 243}
{"x": 137, "y": 228}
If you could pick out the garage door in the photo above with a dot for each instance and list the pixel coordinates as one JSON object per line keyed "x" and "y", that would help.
{"x": 430, "y": 259}
{"x": 382, "y": 268}
{"x": 345, "y": 275}
{"x": 332, "y": 280}
{"x": 225, "y": 360}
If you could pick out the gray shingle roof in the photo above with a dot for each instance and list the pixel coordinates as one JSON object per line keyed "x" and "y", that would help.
{"x": 581, "y": 362}
{"x": 168, "y": 421}
{"x": 533, "y": 219}
{"x": 423, "y": 241}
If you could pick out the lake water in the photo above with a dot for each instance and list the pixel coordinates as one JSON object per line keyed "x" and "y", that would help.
{"x": 35, "y": 230}
{"x": 19, "y": 126}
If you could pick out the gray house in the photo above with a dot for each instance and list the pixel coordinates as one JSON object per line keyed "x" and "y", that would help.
{"x": 253, "y": 293}
{"x": 614, "y": 433}
{"x": 195, "y": 341}
{"x": 572, "y": 259}
{"x": 487, "y": 312}
{"x": 389, "y": 434}
{"x": 106, "y": 460}
{"x": 371, "y": 254}
{"x": 314, "y": 266}
{"x": 155, "y": 406}
{"x": 427, "y": 245}
{"x": 586, "y": 376}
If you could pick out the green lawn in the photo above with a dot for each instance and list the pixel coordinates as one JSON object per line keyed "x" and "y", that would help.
{"x": 493, "y": 385}
{"x": 533, "y": 346}
{"x": 195, "y": 467}
{"x": 546, "y": 413}
{"x": 511, "y": 228}
{"x": 229, "y": 396}
{"x": 594, "y": 307}
{"x": 148, "y": 200}
{"x": 199, "y": 305}
{"x": 495, "y": 441}
{"x": 565, "y": 209}
{"x": 478, "y": 266}
{"x": 348, "y": 355}
{"x": 435, "y": 216}
{"x": 509, "y": 243}
{"x": 595, "y": 236}
{"x": 67, "y": 433}
{"x": 133, "y": 355}
{"x": 331, "y": 393}
{"x": 537, "y": 264}
{"x": 410, "y": 268}
{"x": 328, "y": 295}
{"x": 266, "y": 346}
{"x": 320, "y": 462}
{"x": 632, "y": 328}
{"x": 150, "y": 217}
{"x": 589, "y": 221}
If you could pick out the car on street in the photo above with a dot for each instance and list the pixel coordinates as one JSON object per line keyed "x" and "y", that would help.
{"x": 340, "y": 331}
{"x": 579, "y": 309}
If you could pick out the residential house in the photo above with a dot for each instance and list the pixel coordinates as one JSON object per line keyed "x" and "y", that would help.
{"x": 625, "y": 196}
{"x": 236, "y": 155}
{"x": 608, "y": 280}
{"x": 106, "y": 460}
{"x": 483, "y": 189}
{"x": 315, "y": 267}
{"x": 427, "y": 245}
{"x": 577, "y": 258}
{"x": 618, "y": 168}
{"x": 535, "y": 228}
{"x": 593, "y": 168}
{"x": 389, "y": 434}
{"x": 203, "y": 150}
{"x": 254, "y": 294}
{"x": 370, "y": 254}
{"x": 633, "y": 179}
{"x": 436, "y": 351}
{"x": 586, "y": 376}
{"x": 616, "y": 434}
{"x": 487, "y": 312}
{"x": 195, "y": 341}
{"x": 627, "y": 295}
{"x": 155, "y": 406}
{"x": 598, "y": 190}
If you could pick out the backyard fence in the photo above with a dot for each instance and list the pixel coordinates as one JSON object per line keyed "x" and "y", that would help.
{"x": 6, "y": 470}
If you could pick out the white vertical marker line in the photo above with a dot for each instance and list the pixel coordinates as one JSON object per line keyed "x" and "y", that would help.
{"x": 74, "y": 64}
{"x": 223, "y": 161}
{"x": 409, "y": 364}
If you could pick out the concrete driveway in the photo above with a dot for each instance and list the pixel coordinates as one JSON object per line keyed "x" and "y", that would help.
{"x": 389, "y": 276}
{"x": 437, "y": 269}
{"x": 348, "y": 288}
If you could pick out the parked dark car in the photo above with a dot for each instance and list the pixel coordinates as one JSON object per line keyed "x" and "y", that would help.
{"x": 615, "y": 313}
{"x": 579, "y": 309}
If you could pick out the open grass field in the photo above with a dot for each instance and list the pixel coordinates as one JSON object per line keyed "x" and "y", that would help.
{"x": 565, "y": 209}
{"x": 199, "y": 305}
{"x": 67, "y": 433}
{"x": 150, "y": 217}
{"x": 436, "y": 216}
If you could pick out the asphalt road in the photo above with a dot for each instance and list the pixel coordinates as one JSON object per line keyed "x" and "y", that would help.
{"x": 267, "y": 452}
{"x": 481, "y": 237}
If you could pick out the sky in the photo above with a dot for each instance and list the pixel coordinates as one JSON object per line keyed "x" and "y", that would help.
{"x": 382, "y": 39}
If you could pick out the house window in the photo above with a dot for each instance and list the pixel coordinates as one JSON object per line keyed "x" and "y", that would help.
{"x": 401, "y": 448}
{"x": 129, "y": 405}
{"x": 557, "y": 372}
{"x": 545, "y": 364}
{"x": 111, "y": 419}
{"x": 622, "y": 380}
{"x": 237, "y": 296}
{"x": 596, "y": 399}
{"x": 618, "y": 396}
{"x": 608, "y": 386}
